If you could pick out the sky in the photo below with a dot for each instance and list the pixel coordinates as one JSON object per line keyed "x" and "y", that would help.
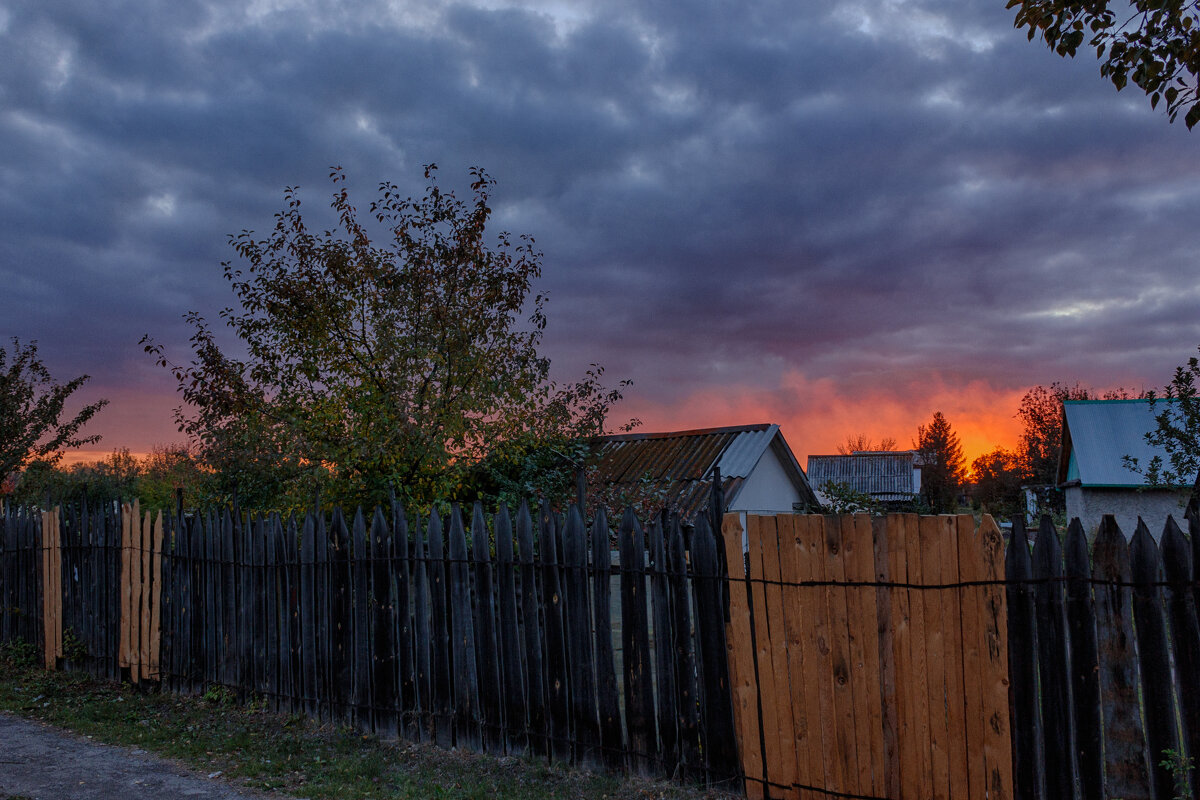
{"x": 840, "y": 217}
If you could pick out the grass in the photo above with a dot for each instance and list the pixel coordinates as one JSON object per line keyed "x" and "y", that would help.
{"x": 293, "y": 754}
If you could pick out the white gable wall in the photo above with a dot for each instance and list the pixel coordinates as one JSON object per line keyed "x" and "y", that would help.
{"x": 768, "y": 489}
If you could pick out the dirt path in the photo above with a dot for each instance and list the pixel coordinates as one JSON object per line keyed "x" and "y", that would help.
{"x": 44, "y": 763}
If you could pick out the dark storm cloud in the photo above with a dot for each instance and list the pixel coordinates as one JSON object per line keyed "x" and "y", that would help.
{"x": 875, "y": 188}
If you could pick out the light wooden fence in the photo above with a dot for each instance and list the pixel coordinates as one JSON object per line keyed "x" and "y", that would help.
{"x": 867, "y": 656}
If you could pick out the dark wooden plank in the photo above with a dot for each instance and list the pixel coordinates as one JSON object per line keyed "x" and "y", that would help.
{"x": 322, "y": 623}
{"x": 462, "y": 633}
{"x": 535, "y": 691}
{"x": 241, "y": 532}
{"x": 309, "y": 689}
{"x": 635, "y": 642}
{"x": 579, "y": 643}
{"x": 384, "y": 693}
{"x": 558, "y": 697}
{"x": 487, "y": 657}
{"x": 402, "y": 592}
{"x": 341, "y": 618}
{"x": 1126, "y": 759}
{"x": 1085, "y": 664}
{"x": 687, "y": 720}
{"x": 608, "y": 701}
{"x": 1022, "y": 668}
{"x": 709, "y": 581}
{"x": 228, "y": 586}
{"x": 1052, "y": 660}
{"x": 1185, "y": 633}
{"x": 664, "y": 644}
{"x": 512, "y": 670}
{"x": 443, "y": 720}
{"x": 360, "y": 632}
{"x": 273, "y": 532}
{"x": 1150, "y": 626}
{"x": 422, "y": 641}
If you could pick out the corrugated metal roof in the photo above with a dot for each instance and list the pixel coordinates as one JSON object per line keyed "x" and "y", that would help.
{"x": 886, "y": 476}
{"x": 1100, "y": 433}
{"x": 680, "y": 463}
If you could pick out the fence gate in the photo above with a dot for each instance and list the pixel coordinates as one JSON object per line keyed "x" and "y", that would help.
{"x": 868, "y": 658}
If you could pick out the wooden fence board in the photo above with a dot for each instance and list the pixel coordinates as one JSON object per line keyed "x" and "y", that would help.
{"x": 422, "y": 638}
{"x": 639, "y": 693}
{"x": 664, "y": 665}
{"x": 997, "y": 743}
{"x": 1150, "y": 627}
{"x": 953, "y": 640}
{"x": 860, "y": 568}
{"x": 1026, "y": 719}
{"x": 742, "y": 680}
{"x": 973, "y": 649}
{"x": 932, "y": 541}
{"x": 777, "y": 769}
{"x": 512, "y": 668}
{"x": 901, "y": 616}
{"x": 487, "y": 657}
{"x": 777, "y": 631}
{"x": 918, "y": 696}
{"x": 401, "y": 570}
{"x": 579, "y": 642}
{"x": 1049, "y": 607}
{"x": 535, "y": 691}
{"x": 845, "y": 730}
{"x": 686, "y": 709}
{"x": 718, "y": 732}
{"x": 608, "y": 702}
{"x": 462, "y": 633}
{"x": 805, "y": 746}
{"x": 1185, "y": 635}
{"x": 443, "y": 729}
{"x": 1085, "y": 665}
{"x": 557, "y": 675}
{"x": 890, "y": 755}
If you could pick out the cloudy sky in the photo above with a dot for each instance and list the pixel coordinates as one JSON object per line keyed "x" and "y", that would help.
{"x": 836, "y": 216}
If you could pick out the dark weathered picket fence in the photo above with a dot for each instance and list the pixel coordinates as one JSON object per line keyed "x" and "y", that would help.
{"x": 495, "y": 636}
{"x": 1105, "y": 663}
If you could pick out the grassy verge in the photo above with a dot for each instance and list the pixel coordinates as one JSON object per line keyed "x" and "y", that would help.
{"x": 292, "y": 754}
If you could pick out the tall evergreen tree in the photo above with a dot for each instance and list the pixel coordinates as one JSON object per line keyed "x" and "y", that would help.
{"x": 941, "y": 464}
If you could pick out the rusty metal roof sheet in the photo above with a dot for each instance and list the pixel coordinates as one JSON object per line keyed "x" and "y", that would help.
{"x": 679, "y": 464}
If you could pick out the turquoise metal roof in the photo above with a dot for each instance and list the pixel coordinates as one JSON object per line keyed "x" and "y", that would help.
{"x": 1097, "y": 434}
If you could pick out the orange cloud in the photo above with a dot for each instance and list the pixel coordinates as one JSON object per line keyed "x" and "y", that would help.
{"x": 817, "y": 415}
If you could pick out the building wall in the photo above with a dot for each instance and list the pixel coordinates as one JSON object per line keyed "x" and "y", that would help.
{"x": 767, "y": 489}
{"x": 1152, "y": 505}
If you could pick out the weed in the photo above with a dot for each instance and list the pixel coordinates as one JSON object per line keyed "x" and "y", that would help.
{"x": 1180, "y": 767}
{"x": 18, "y": 654}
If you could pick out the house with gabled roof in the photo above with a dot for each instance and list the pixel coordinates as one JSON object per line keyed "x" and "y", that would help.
{"x": 759, "y": 473}
{"x": 1097, "y": 436}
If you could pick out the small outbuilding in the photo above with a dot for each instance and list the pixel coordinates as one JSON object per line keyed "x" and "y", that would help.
{"x": 759, "y": 473}
{"x": 1097, "y": 436}
{"x": 891, "y": 478}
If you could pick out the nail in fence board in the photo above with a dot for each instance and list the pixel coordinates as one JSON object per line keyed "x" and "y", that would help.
{"x": 535, "y": 687}
{"x": 639, "y": 692}
{"x": 1158, "y": 703}
{"x": 512, "y": 670}
{"x": 1185, "y": 638}
{"x": 1026, "y": 721}
{"x": 486, "y": 653}
{"x": 1085, "y": 665}
{"x": 579, "y": 642}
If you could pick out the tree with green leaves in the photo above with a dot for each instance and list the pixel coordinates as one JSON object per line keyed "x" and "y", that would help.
{"x": 401, "y": 351}
{"x": 1177, "y": 418}
{"x": 941, "y": 457}
{"x": 33, "y": 423}
{"x": 1155, "y": 44}
{"x": 1041, "y": 416}
{"x": 998, "y": 479}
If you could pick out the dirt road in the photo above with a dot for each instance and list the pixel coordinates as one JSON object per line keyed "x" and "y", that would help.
{"x": 44, "y": 763}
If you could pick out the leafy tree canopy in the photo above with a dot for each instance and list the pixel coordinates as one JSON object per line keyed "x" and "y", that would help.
{"x": 1153, "y": 43}
{"x": 400, "y": 359}
{"x": 941, "y": 463}
{"x": 33, "y": 423}
{"x": 998, "y": 483}
{"x": 1177, "y": 416}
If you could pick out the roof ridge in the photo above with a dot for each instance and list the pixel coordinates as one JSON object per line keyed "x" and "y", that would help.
{"x": 633, "y": 437}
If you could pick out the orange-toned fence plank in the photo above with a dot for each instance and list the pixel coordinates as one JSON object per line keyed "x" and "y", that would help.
{"x": 154, "y": 658}
{"x": 51, "y": 588}
{"x": 777, "y": 630}
{"x": 743, "y": 683}
{"x": 845, "y": 733}
{"x": 970, "y": 568}
{"x": 997, "y": 743}
{"x": 953, "y": 641}
{"x": 860, "y": 568}
{"x": 931, "y": 572}
{"x": 759, "y": 531}
{"x": 811, "y": 555}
